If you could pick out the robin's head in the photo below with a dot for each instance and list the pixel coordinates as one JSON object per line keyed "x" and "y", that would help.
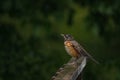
{"x": 67, "y": 37}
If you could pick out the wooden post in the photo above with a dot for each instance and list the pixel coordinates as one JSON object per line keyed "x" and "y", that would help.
{"x": 72, "y": 70}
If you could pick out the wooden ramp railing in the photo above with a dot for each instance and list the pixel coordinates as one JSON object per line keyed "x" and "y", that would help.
{"x": 72, "y": 70}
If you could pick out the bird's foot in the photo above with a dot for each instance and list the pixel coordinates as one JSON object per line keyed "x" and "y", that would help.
{"x": 74, "y": 64}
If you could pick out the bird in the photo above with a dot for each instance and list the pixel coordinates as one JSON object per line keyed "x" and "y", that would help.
{"x": 74, "y": 49}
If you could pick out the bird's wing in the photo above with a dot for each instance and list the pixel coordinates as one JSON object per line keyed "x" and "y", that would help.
{"x": 82, "y": 51}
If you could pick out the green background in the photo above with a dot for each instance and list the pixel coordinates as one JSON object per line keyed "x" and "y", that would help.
{"x": 31, "y": 47}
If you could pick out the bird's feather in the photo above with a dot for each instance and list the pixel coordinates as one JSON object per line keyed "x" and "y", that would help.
{"x": 82, "y": 51}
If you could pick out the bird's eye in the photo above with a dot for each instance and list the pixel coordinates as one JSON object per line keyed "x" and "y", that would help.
{"x": 68, "y": 35}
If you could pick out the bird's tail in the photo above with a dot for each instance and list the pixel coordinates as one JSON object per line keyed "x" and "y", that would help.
{"x": 93, "y": 59}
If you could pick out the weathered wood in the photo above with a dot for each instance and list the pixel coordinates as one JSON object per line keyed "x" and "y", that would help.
{"x": 71, "y": 71}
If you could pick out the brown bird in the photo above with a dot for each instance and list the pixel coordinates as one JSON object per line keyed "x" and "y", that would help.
{"x": 74, "y": 49}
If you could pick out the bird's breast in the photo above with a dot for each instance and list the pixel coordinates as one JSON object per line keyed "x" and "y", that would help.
{"x": 70, "y": 49}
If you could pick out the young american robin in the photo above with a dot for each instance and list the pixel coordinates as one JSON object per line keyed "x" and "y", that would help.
{"x": 74, "y": 49}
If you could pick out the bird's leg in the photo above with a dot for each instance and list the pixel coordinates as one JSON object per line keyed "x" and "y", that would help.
{"x": 74, "y": 62}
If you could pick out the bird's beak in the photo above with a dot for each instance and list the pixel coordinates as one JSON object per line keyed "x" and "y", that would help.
{"x": 63, "y": 35}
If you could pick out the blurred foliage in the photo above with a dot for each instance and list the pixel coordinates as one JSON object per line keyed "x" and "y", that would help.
{"x": 31, "y": 46}
{"x": 105, "y": 16}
